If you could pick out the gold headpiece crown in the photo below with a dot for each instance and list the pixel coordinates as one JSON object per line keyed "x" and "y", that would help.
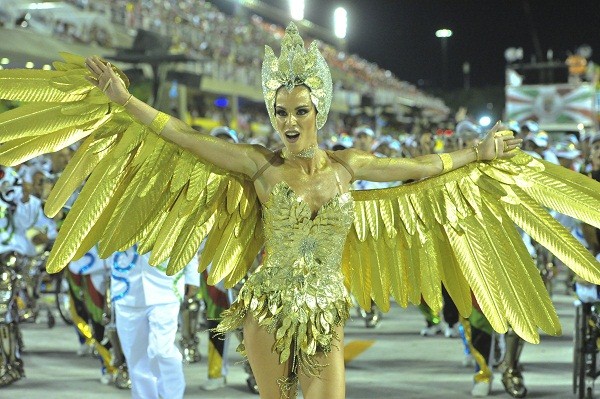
{"x": 297, "y": 66}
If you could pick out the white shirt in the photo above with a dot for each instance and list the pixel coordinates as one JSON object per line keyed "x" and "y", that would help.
{"x": 13, "y": 236}
{"x": 135, "y": 283}
{"x": 89, "y": 263}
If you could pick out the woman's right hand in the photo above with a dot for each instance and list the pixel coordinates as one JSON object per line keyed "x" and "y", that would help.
{"x": 103, "y": 76}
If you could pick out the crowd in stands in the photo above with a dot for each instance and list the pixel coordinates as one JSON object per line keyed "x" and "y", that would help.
{"x": 233, "y": 47}
{"x": 229, "y": 48}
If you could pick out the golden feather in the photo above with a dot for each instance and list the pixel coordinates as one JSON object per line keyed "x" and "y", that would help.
{"x": 170, "y": 230}
{"x": 34, "y": 86}
{"x": 252, "y": 249}
{"x": 94, "y": 197}
{"x": 456, "y": 229}
{"x": 93, "y": 236}
{"x": 380, "y": 290}
{"x": 148, "y": 241}
{"x": 543, "y": 228}
{"x": 188, "y": 243}
{"x": 136, "y": 187}
{"x": 40, "y": 118}
{"x": 522, "y": 269}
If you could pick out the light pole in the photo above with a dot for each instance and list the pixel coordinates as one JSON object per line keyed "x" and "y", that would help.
{"x": 444, "y": 34}
{"x": 297, "y": 9}
{"x": 340, "y": 22}
{"x": 466, "y": 75}
{"x": 340, "y": 27}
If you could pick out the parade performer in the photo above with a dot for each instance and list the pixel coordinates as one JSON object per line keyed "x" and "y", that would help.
{"x": 19, "y": 213}
{"x": 588, "y": 293}
{"x": 217, "y": 298}
{"x": 118, "y": 373}
{"x": 364, "y": 137}
{"x": 147, "y": 304}
{"x": 153, "y": 179}
{"x": 479, "y": 336}
{"x": 87, "y": 288}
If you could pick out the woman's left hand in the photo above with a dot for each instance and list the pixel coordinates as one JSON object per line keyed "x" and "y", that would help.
{"x": 499, "y": 143}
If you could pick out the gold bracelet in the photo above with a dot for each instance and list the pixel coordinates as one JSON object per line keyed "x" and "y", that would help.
{"x": 446, "y": 162}
{"x": 127, "y": 101}
{"x": 496, "y": 149}
{"x": 159, "y": 122}
{"x": 476, "y": 149}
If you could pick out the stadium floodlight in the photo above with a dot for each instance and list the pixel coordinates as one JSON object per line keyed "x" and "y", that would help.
{"x": 443, "y": 33}
{"x": 297, "y": 9}
{"x": 340, "y": 22}
{"x": 485, "y": 121}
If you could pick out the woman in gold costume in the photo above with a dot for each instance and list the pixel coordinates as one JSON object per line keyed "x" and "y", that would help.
{"x": 175, "y": 186}
{"x": 307, "y": 212}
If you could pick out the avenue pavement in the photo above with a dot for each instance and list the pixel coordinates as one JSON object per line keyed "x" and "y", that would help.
{"x": 399, "y": 364}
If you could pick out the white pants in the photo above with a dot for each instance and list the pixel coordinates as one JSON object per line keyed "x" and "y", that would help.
{"x": 147, "y": 336}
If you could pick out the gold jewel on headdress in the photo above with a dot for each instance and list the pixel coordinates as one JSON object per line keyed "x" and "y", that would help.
{"x": 297, "y": 66}
{"x": 307, "y": 153}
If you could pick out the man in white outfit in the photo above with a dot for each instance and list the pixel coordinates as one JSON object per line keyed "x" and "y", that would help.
{"x": 147, "y": 305}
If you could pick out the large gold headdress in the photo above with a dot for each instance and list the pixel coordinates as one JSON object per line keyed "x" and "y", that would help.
{"x": 297, "y": 66}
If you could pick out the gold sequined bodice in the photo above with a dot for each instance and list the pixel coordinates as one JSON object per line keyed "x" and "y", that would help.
{"x": 302, "y": 249}
{"x": 298, "y": 294}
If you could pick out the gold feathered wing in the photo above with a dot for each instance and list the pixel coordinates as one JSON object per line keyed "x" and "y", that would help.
{"x": 459, "y": 229}
{"x": 137, "y": 188}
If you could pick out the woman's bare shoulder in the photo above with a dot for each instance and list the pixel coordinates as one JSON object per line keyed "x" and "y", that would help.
{"x": 351, "y": 156}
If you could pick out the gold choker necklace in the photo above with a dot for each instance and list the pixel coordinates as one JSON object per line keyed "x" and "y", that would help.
{"x": 306, "y": 153}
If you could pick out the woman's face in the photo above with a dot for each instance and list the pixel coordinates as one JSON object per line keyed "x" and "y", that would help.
{"x": 595, "y": 155}
{"x": 296, "y": 118}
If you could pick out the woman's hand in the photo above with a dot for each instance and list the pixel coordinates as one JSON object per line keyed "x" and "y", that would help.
{"x": 104, "y": 77}
{"x": 499, "y": 143}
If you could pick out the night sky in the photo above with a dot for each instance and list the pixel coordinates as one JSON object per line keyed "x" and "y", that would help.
{"x": 399, "y": 35}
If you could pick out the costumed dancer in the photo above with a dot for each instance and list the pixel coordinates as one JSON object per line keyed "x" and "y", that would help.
{"x": 479, "y": 336}
{"x": 190, "y": 310}
{"x": 569, "y": 156}
{"x": 536, "y": 143}
{"x": 588, "y": 293}
{"x": 447, "y": 323}
{"x": 364, "y": 138}
{"x": 19, "y": 212}
{"x": 483, "y": 339}
{"x": 87, "y": 288}
{"x": 320, "y": 239}
{"x": 147, "y": 304}
{"x": 118, "y": 372}
{"x": 217, "y": 299}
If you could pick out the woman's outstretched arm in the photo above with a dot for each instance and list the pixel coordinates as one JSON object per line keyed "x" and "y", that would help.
{"x": 238, "y": 158}
{"x": 372, "y": 168}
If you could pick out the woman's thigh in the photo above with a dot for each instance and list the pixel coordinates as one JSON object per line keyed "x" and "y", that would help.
{"x": 331, "y": 383}
{"x": 264, "y": 362}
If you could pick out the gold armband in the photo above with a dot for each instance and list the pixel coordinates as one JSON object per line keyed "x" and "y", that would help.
{"x": 159, "y": 122}
{"x": 446, "y": 162}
